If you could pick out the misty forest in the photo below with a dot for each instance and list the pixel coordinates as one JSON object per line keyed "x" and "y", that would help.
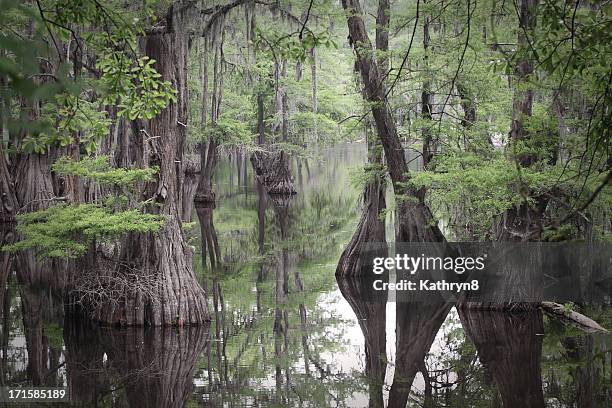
{"x": 190, "y": 190}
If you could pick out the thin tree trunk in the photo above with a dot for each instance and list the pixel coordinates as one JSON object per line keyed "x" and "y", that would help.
{"x": 371, "y": 227}
{"x": 313, "y": 81}
{"x": 209, "y": 155}
{"x": 415, "y": 220}
{"x": 524, "y": 221}
{"x": 426, "y": 101}
{"x": 468, "y": 106}
{"x": 8, "y": 200}
{"x": 261, "y": 126}
{"x": 284, "y": 106}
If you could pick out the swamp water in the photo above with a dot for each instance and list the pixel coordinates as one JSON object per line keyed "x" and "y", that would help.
{"x": 285, "y": 333}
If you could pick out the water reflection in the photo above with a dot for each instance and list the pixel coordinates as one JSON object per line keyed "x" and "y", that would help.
{"x": 143, "y": 367}
{"x": 509, "y": 346}
{"x": 371, "y": 312}
{"x": 285, "y": 333}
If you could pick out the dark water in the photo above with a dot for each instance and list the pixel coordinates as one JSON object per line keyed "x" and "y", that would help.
{"x": 286, "y": 334}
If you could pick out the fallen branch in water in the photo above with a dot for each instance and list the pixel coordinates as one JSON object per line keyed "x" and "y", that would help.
{"x": 576, "y": 319}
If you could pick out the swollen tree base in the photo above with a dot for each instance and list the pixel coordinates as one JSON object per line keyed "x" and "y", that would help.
{"x": 154, "y": 285}
{"x": 272, "y": 170}
{"x": 153, "y": 282}
{"x": 369, "y": 238}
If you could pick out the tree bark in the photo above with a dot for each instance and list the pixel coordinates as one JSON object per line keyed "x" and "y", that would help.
{"x": 524, "y": 221}
{"x": 8, "y": 200}
{"x": 415, "y": 220}
{"x": 371, "y": 228}
{"x": 273, "y": 171}
{"x": 163, "y": 259}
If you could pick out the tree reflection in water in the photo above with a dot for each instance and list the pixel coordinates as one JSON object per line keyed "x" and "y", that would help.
{"x": 286, "y": 334}
{"x": 370, "y": 310}
{"x": 146, "y": 367}
{"x": 509, "y": 346}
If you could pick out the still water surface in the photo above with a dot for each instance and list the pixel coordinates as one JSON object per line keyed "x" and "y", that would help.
{"x": 285, "y": 333}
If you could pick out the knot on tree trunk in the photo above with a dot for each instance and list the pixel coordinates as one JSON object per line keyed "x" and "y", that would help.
{"x": 272, "y": 170}
{"x": 205, "y": 199}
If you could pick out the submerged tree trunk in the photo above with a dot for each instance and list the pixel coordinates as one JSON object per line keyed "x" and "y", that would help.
{"x": 155, "y": 283}
{"x": 273, "y": 171}
{"x": 155, "y": 367}
{"x": 205, "y": 194}
{"x": 354, "y": 260}
{"x": 211, "y": 252}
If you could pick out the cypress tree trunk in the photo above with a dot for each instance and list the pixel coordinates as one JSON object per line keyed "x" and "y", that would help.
{"x": 371, "y": 314}
{"x": 8, "y": 200}
{"x": 523, "y": 222}
{"x": 415, "y": 220}
{"x": 33, "y": 182}
{"x": 371, "y": 227}
{"x": 171, "y": 354}
{"x": 159, "y": 285}
{"x": 155, "y": 367}
{"x": 272, "y": 170}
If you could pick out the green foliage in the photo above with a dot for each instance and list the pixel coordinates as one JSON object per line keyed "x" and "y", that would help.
{"x": 361, "y": 176}
{"x": 467, "y": 190}
{"x": 135, "y": 87}
{"x": 290, "y": 46}
{"x": 66, "y": 231}
{"x": 125, "y": 79}
{"x": 100, "y": 170}
{"x": 229, "y": 132}
{"x": 72, "y": 115}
